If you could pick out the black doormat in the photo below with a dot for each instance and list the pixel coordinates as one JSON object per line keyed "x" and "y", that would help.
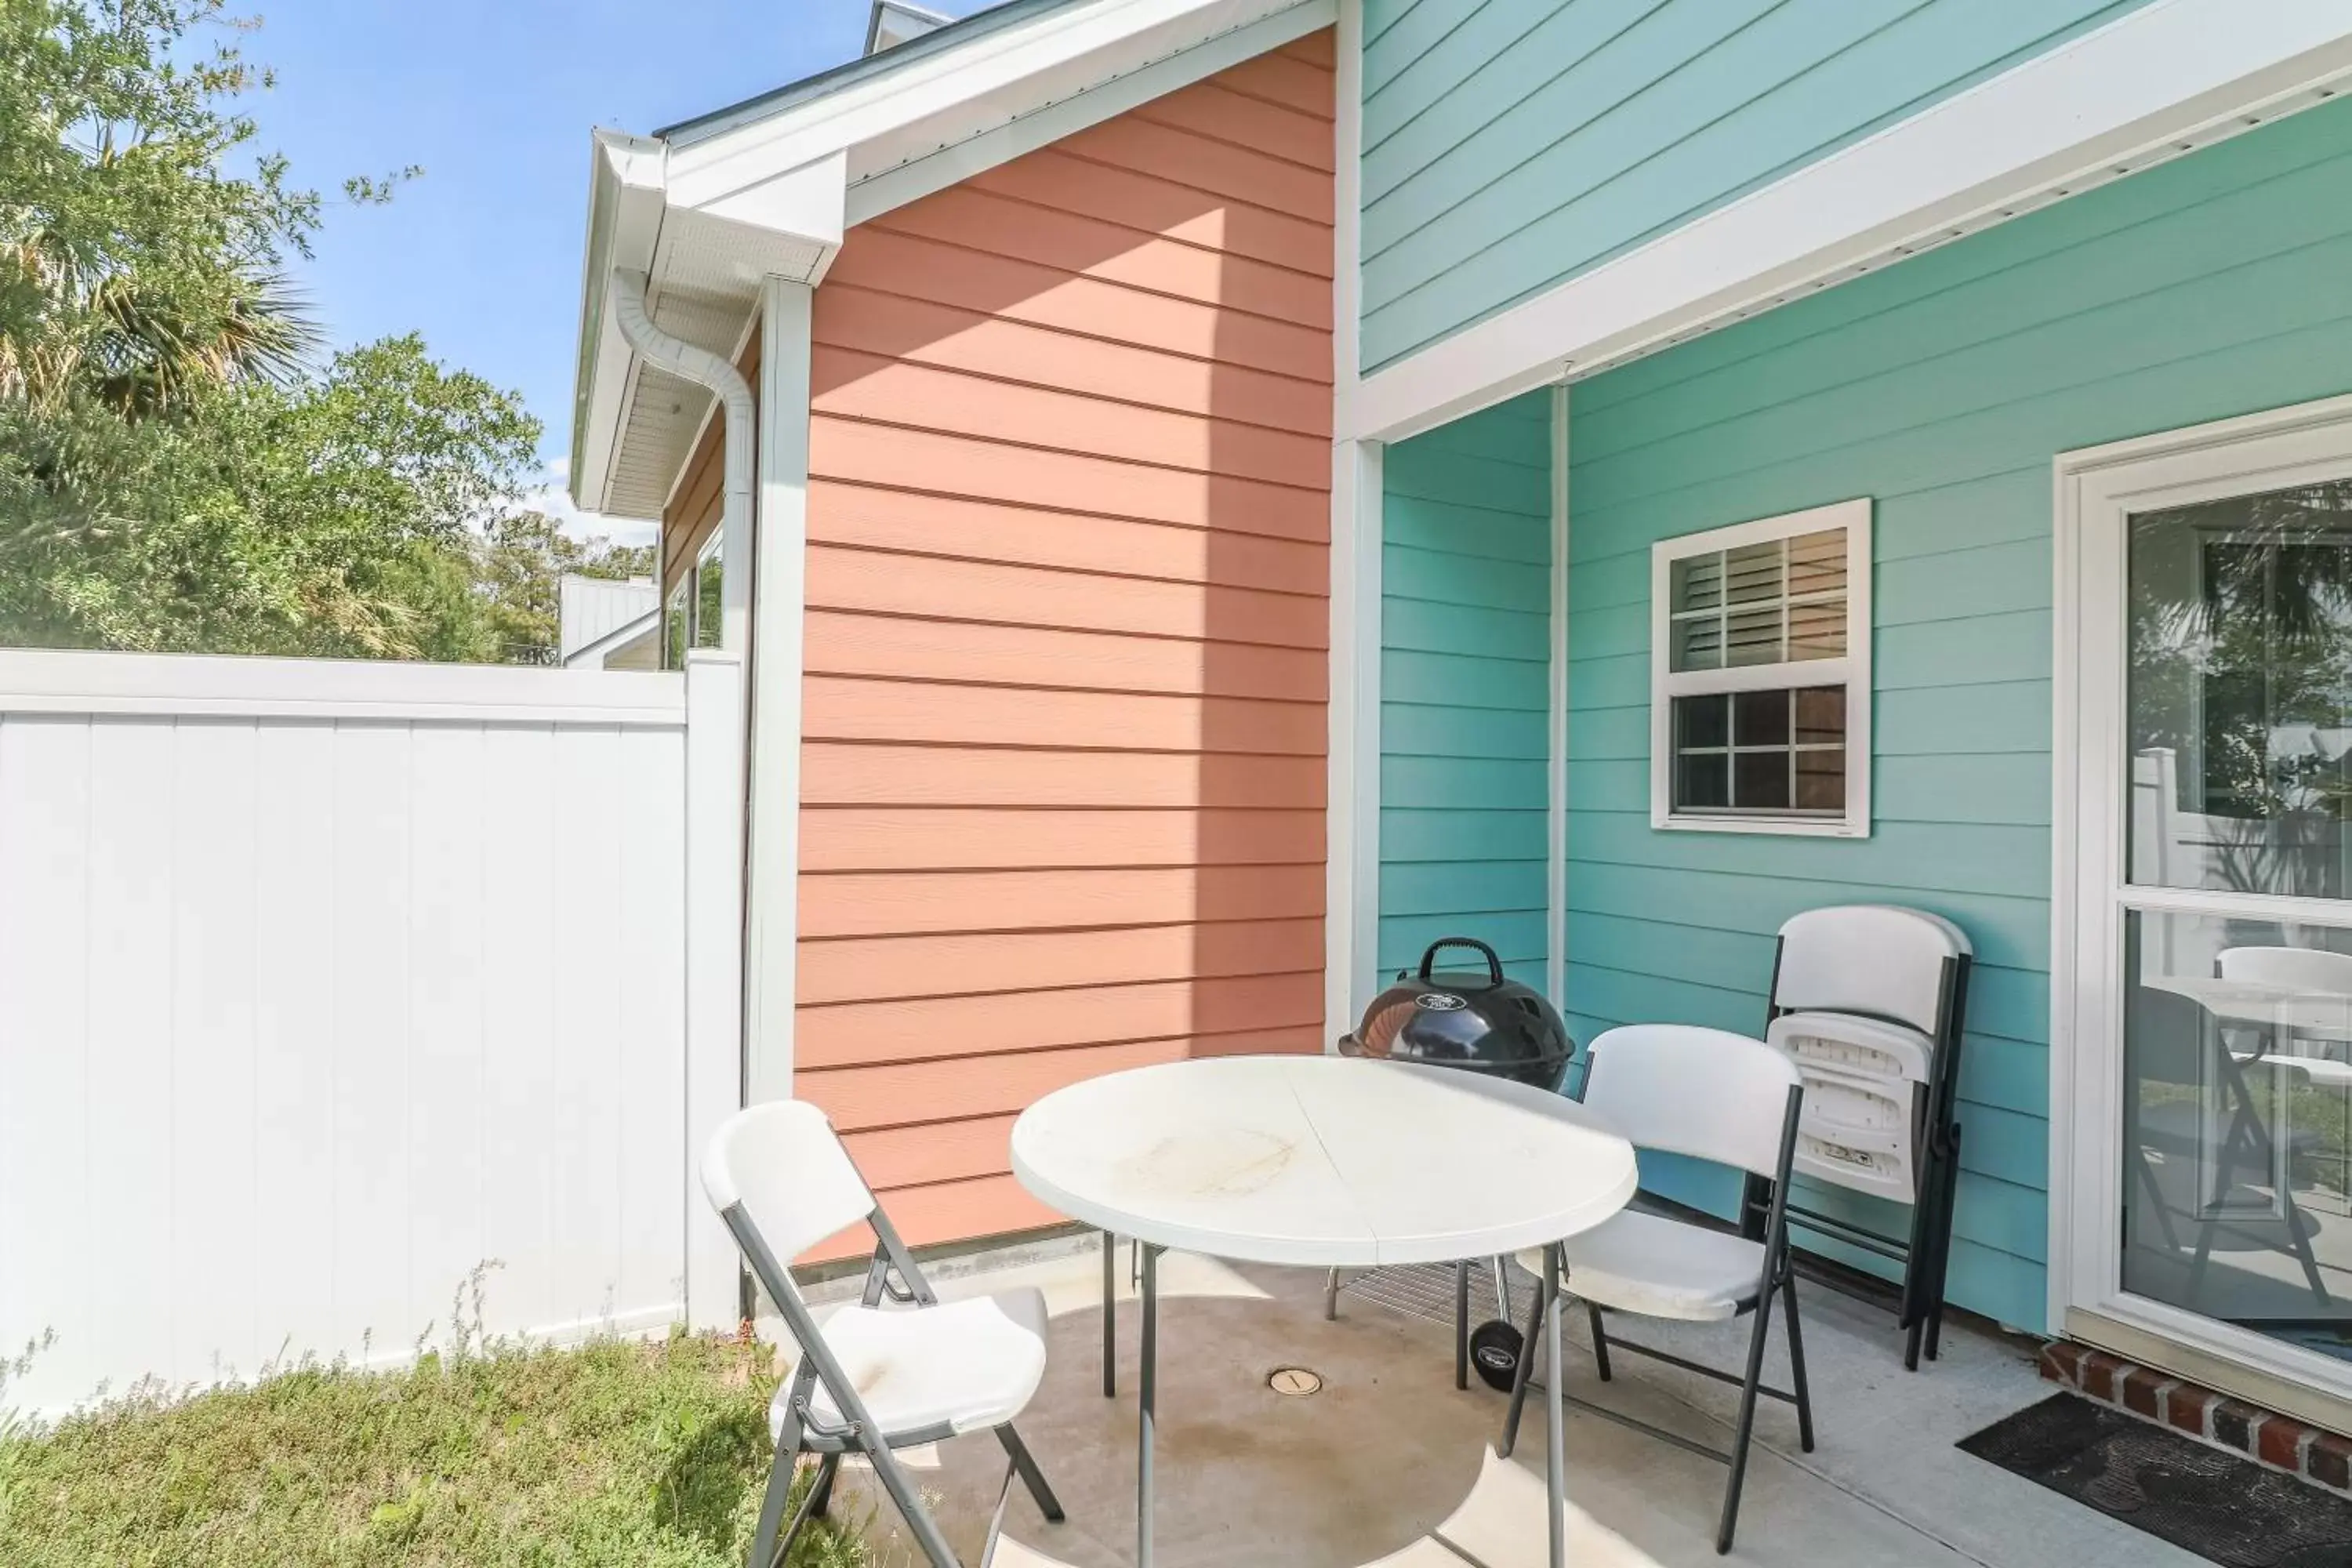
{"x": 2225, "y": 1509}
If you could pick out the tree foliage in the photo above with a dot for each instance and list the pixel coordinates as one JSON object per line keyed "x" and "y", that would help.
{"x": 521, "y": 564}
{"x": 178, "y": 470}
{"x": 136, "y": 269}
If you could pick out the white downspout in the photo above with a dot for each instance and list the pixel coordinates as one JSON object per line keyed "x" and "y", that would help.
{"x": 700, "y": 365}
{"x": 626, "y": 297}
{"x": 765, "y": 540}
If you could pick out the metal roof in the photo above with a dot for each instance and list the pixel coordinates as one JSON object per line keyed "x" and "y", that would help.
{"x": 955, "y": 34}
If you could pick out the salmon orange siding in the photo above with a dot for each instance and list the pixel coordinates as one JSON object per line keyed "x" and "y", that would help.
{"x": 1067, "y": 633}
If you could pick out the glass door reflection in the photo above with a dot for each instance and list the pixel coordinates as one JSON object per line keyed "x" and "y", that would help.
{"x": 2237, "y": 1196}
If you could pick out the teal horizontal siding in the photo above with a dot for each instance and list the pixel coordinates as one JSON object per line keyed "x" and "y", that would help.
{"x": 1512, "y": 145}
{"x": 1466, "y": 688}
{"x": 2214, "y": 286}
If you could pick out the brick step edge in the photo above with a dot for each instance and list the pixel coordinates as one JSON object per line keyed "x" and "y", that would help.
{"x": 2278, "y": 1442}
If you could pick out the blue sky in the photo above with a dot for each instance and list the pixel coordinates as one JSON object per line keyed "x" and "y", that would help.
{"x": 495, "y": 98}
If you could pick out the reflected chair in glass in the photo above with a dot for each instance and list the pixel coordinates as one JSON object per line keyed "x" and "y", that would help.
{"x": 2178, "y": 1048}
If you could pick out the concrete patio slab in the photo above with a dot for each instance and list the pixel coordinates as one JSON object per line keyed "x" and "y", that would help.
{"x": 1389, "y": 1450}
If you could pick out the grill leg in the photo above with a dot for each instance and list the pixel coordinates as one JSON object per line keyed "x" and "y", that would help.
{"x": 1599, "y": 1339}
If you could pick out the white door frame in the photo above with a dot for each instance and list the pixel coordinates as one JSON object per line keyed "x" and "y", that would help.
{"x": 2097, "y": 489}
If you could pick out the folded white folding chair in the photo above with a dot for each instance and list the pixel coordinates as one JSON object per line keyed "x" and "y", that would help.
{"x": 869, "y": 1379}
{"x": 1719, "y": 1097}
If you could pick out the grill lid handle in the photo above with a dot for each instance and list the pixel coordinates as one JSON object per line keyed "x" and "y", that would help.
{"x": 1494, "y": 965}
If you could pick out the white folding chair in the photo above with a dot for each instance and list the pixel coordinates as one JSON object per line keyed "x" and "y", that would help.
{"x": 869, "y": 1379}
{"x": 2304, "y": 969}
{"x": 1871, "y": 1001}
{"x": 1714, "y": 1096}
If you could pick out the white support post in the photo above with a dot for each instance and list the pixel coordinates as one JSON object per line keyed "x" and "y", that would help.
{"x": 1353, "y": 867}
{"x": 1352, "y": 792}
{"x": 1556, "y": 867}
{"x": 714, "y": 965}
{"x": 773, "y": 865}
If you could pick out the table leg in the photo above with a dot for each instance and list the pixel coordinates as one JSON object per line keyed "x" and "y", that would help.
{"x": 1146, "y": 1384}
{"x": 1110, "y": 1318}
{"x": 1555, "y": 1417}
{"x": 1462, "y": 1323}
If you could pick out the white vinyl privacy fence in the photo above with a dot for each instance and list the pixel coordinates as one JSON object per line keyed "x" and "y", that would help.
{"x": 325, "y": 986}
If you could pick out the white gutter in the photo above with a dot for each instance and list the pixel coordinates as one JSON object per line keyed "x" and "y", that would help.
{"x": 700, "y": 365}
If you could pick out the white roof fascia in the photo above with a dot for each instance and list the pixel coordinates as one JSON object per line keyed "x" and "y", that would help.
{"x": 993, "y": 79}
{"x": 1041, "y": 126}
{"x": 2160, "y": 82}
{"x": 624, "y": 216}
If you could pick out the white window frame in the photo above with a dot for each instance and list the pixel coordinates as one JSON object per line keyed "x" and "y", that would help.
{"x": 713, "y": 548}
{"x": 2098, "y": 490}
{"x": 1851, "y": 671}
{"x": 678, "y": 609}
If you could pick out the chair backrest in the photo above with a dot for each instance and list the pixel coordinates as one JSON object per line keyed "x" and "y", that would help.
{"x": 2168, "y": 1039}
{"x": 784, "y": 1163}
{"x": 1874, "y": 959}
{"x": 1688, "y": 1091}
{"x": 2289, "y": 968}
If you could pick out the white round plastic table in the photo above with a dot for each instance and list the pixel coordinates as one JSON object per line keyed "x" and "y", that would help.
{"x": 1322, "y": 1162}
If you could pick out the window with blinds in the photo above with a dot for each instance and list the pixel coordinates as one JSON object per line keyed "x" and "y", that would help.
{"x": 1760, "y": 654}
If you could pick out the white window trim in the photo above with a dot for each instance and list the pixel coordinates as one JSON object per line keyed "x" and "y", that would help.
{"x": 713, "y": 549}
{"x": 2096, "y": 490}
{"x": 1853, "y": 672}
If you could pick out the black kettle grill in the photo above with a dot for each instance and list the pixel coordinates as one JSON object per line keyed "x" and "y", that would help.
{"x": 1476, "y": 1022}
{"x": 1480, "y": 1023}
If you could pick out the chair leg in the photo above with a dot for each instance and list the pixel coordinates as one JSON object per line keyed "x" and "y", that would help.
{"x": 909, "y": 1504}
{"x": 1937, "y": 1279}
{"x": 1599, "y": 1337}
{"x": 1527, "y": 1366}
{"x": 1747, "y": 1426}
{"x": 2301, "y": 1243}
{"x": 1797, "y": 1366}
{"x": 1031, "y": 1475}
{"x": 2156, "y": 1201}
{"x": 766, "y": 1544}
{"x": 821, "y": 1490}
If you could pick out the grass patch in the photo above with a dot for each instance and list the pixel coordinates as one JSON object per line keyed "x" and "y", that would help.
{"x": 648, "y": 1454}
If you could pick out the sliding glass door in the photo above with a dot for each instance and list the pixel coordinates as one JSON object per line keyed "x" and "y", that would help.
{"x": 2206, "y": 1149}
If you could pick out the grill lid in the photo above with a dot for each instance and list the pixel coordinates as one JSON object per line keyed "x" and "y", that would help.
{"x": 1481, "y": 1022}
